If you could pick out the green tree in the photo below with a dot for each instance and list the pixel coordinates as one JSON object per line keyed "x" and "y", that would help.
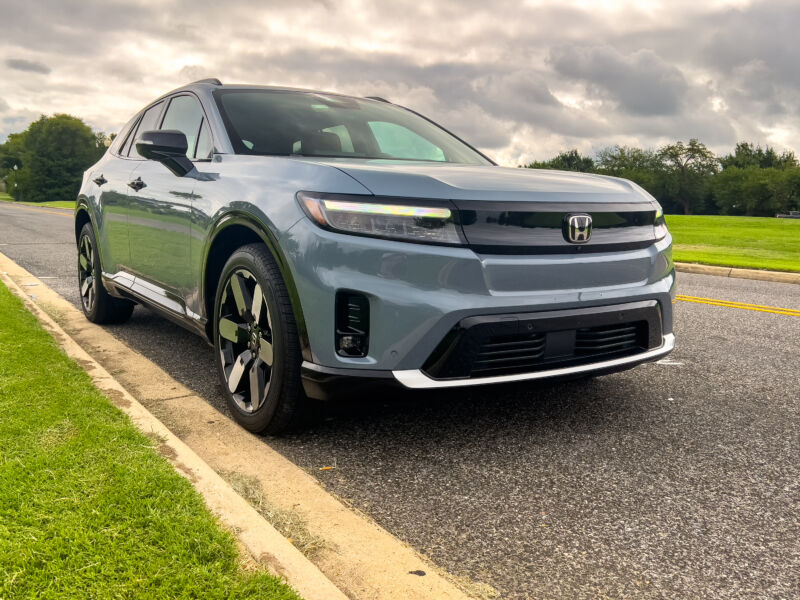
{"x": 747, "y": 155}
{"x": 688, "y": 170}
{"x": 571, "y": 160}
{"x": 51, "y": 156}
{"x": 786, "y": 190}
{"x": 640, "y": 166}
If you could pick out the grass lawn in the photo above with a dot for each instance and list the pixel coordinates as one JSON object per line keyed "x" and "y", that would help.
{"x": 53, "y": 204}
{"x": 748, "y": 242}
{"x": 88, "y": 508}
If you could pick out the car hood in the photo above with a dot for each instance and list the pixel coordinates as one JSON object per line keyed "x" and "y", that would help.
{"x": 485, "y": 182}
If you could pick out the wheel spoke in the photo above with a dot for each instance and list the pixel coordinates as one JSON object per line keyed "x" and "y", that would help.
{"x": 233, "y": 332}
{"x": 258, "y": 385}
{"x": 83, "y": 262}
{"x": 265, "y": 351}
{"x": 87, "y": 283}
{"x": 238, "y": 369}
{"x": 258, "y": 301}
{"x": 240, "y": 294}
{"x": 87, "y": 248}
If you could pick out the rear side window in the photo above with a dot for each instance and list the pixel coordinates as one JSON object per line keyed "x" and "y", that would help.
{"x": 149, "y": 122}
{"x": 184, "y": 114}
{"x": 122, "y": 138}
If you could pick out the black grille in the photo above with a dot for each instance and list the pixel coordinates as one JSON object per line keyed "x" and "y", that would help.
{"x": 595, "y": 341}
{"x": 509, "y": 352}
{"x": 522, "y": 343}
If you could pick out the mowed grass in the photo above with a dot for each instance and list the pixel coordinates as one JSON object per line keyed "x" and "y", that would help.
{"x": 747, "y": 242}
{"x": 52, "y": 204}
{"x": 88, "y": 508}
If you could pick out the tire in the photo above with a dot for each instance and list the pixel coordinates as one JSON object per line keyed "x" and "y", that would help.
{"x": 257, "y": 345}
{"x": 98, "y": 305}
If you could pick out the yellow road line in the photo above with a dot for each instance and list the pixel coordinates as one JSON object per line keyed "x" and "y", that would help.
{"x": 743, "y": 305}
{"x": 44, "y": 209}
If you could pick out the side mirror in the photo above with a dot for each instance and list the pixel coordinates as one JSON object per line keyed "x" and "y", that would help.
{"x": 168, "y": 147}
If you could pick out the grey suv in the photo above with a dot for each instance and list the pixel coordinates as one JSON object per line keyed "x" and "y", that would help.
{"x": 324, "y": 243}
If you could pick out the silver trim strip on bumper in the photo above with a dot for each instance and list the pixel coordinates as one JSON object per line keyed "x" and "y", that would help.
{"x": 416, "y": 379}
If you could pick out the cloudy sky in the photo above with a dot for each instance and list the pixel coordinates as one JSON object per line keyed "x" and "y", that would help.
{"x": 521, "y": 80}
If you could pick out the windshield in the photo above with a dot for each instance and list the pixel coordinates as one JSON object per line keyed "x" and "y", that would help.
{"x": 286, "y": 123}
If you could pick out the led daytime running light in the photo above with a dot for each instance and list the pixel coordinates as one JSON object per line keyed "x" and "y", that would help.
{"x": 387, "y": 209}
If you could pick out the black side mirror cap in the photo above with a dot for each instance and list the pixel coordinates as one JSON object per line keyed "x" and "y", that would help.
{"x": 168, "y": 147}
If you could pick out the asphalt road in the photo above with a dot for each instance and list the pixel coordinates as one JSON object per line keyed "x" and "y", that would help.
{"x": 679, "y": 479}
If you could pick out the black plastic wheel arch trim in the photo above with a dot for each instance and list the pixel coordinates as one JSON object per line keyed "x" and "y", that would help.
{"x": 266, "y": 236}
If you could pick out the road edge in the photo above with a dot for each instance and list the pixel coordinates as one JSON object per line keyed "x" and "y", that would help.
{"x": 258, "y": 536}
{"x": 774, "y": 276}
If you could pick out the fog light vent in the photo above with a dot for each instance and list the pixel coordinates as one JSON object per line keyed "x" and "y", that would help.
{"x": 352, "y": 324}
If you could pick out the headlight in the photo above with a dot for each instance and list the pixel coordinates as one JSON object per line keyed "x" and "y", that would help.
{"x": 660, "y": 224}
{"x": 431, "y": 222}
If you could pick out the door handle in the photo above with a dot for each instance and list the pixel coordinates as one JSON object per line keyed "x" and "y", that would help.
{"x": 137, "y": 184}
{"x": 100, "y": 180}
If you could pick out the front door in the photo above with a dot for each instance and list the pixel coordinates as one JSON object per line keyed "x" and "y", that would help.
{"x": 160, "y": 215}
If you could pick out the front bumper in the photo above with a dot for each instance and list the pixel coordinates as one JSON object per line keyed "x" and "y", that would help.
{"x": 327, "y": 383}
{"x": 494, "y": 349}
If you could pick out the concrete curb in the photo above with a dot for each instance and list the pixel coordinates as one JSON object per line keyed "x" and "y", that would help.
{"x": 361, "y": 558}
{"x": 261, "y": 539}
{"x": 775, "y": 276}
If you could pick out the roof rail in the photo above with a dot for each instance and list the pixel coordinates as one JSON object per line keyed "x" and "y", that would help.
{"x": 378, "y": 98}
{"x": 211, "y": 80}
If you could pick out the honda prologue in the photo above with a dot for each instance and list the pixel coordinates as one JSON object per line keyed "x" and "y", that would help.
{"x": 323, "y": 242}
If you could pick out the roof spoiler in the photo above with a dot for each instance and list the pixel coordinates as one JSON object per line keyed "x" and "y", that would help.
{"x": 211, "y": 80}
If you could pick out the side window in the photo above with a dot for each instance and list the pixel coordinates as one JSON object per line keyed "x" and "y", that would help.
{"x": 184, "y": 114}
{"x": 126, "y": 147}
{"x": 205, "y": 145}
{"x": 401, "y": 142}
{"x": 118, "y": 145}
{"x": 149, "y": 122}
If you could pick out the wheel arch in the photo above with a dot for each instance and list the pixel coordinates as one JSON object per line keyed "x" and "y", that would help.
{"x": 231, "y": 232}
{"x": 82, "y": 217}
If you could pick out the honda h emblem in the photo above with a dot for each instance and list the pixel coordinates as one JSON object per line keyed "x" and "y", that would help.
{"x": 578, "y": 228}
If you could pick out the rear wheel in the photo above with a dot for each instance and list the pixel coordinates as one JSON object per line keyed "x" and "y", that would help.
{"x": 257, "y": 343}
{"x": 98, "y": 305}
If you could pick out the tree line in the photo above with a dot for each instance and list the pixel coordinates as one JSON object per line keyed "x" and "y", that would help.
{"x": 690, "y": 179}
{"x": 47, "y": 160}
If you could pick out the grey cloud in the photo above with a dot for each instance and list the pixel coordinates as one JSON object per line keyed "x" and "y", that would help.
{"x": 525, "y": 79}
{"x": 641, "y": 82}
{"x": 20, "y": 64}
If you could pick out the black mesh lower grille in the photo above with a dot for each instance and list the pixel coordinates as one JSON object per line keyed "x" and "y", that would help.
{"x": 506, "y": 352}
{"x": 593, "y": 341}
{"x": 510, "y": 344}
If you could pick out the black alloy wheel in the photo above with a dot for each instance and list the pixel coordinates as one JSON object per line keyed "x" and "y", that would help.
{"x": 98, "y": 305}
{"x": 86, "y": 272}
{"x": 245, "y": 340}
{"x": 256, "y": 339}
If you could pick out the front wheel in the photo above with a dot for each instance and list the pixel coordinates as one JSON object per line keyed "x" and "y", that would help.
{"x": 257, "y": 343}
